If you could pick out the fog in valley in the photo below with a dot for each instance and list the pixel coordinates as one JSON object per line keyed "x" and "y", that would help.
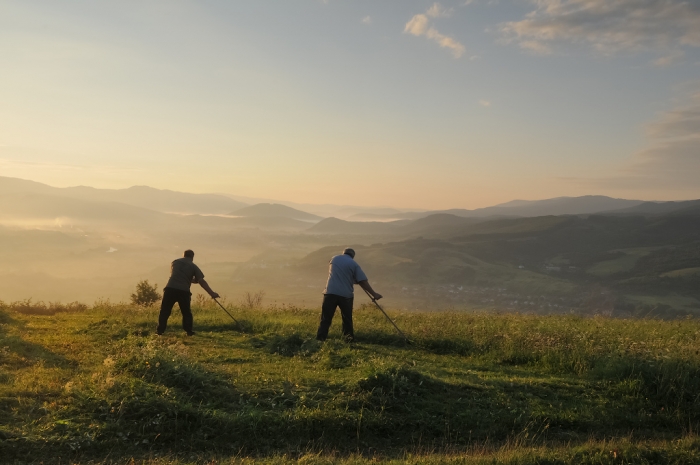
{"x": 583, "y": 255}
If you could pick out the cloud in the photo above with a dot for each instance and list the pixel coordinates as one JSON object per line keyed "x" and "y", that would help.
{"x": 419, "y": 25}
{"x": 447, "y": 42}
{"x": 367, "y": 20}
{"x": 439, "y": 11}
{"x": 674, "y": 155}
{"x": 669, "y": 59}
{"x": 672, "y": 159}
{"x": 484, "y": 103}
{"x": 609, "y": 26}
{"x": 681, "y": 122}
{"x": 536, "y": 47}
{"x": 673, "y": 163}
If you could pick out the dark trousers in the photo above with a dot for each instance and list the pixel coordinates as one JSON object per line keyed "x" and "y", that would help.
{"x": 330, "y": 302}
{"x": 170, "y": 296}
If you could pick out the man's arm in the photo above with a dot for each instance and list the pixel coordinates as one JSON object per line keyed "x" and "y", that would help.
{"x": 365, "y": 285}
{"x": 206, "y": 287}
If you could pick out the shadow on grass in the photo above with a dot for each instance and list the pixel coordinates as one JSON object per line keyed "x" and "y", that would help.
{"x": 287, "y": 345}
{"x": 243, "y": 327}
{"x": 18, "y": 352}
{"x": 381, "y": 338}
{"x": 175, "y": 406}
{"x": 24, "y": 353}
{"x": 5, "y": 318}
{"x": 185, "y": 381}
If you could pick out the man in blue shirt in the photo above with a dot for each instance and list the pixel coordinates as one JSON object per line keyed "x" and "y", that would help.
{"x": 343, "y": 274}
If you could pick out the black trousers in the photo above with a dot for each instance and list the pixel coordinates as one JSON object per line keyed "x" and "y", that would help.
{"x": 170, "y": 296}
{"x": 330, "y": 303}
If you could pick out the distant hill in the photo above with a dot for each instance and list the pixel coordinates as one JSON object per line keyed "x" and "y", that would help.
{"x": 55, "y": 211}
{"x": 61, "y": 211}
{"x": 275, "y": 209}
{"x": 23, "y": 186}
{"x": 658, "y": 208}
{"x": 437, "y": 225}
{"x": 628, "y": 254}
{"x": 166, "y": 201}
{"x": 161, "y": 200}
{"x": 584, "y": 205}
{"x": 272, "y": 223}
{"x": 377, "y": 216}
{"x": 336, "y": 226}
{"x": 560, "y": 206}
{"x": 443, "y": 223}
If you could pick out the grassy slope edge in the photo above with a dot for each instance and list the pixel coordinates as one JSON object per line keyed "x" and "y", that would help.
{"x": 97, "y": 384}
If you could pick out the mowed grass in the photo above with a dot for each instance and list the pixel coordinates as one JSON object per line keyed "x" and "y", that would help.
{"x": 97, "y": 385}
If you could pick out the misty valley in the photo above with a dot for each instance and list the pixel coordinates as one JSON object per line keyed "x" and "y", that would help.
{"x": 583, "y": 255}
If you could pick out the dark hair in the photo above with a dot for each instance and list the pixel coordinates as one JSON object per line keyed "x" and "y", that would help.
{"x": 189, "y": 253}
{"x": 349, "y": 251}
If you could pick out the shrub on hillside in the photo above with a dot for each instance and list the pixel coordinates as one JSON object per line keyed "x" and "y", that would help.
{"x": 146, "y": 294}
{"x": 252, "y": 301}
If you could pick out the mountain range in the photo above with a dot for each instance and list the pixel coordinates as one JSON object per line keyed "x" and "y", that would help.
{"x": 583, "y": 205}
{"x": 165, "y": 201}
{"x": 168, "y": 201}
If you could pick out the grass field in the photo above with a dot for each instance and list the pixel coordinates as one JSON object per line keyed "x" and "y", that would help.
{"x": 96, "y": 385}
{"x": 672, "y": 300}
{"x": 621, "y": 264}
{"x": 685, "y": 272}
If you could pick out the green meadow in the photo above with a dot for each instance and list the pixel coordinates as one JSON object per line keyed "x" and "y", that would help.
{"x": 94, "y": 384}
{"x": 622, "y": 264}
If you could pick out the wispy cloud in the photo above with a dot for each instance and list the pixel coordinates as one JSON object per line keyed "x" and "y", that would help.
{"x": 680, "y": 122}
{"x": 669, "y": 59}
{"x": 439, "y": 11}
{"x": 484, "y": 103}
{"x": 674, "y": 155}
{"x": 445, "y": 41}
{"x": 671, "y": 160}
{"x": 367, "y": 20}
{"x": 609, "y": 26}
{"x": 419, "y": 25}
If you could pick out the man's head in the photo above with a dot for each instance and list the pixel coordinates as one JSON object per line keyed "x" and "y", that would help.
{"x": 349, "y": 251}
{"x": 189, "y": 253}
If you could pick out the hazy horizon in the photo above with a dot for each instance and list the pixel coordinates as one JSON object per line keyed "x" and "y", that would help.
{"x": 283, "y": 201}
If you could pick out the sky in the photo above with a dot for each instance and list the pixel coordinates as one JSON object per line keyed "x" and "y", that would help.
{"x": 411, "y": 104}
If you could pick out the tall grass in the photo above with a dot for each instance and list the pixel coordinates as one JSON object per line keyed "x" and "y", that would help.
{"x": 28, "y": 307}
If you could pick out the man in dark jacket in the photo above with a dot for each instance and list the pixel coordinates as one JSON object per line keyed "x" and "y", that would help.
{"x": 343, "y": 274}
{"x": 183, "y": 272}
